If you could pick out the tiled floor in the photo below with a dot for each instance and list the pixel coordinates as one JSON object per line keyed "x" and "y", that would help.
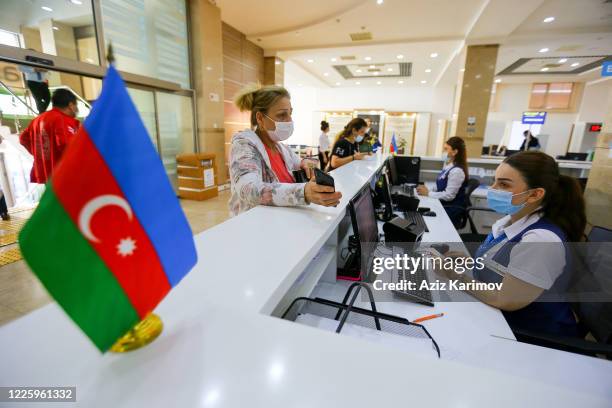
{"x": 21, "y": 292}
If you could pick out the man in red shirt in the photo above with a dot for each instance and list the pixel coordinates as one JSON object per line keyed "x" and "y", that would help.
{"x": 48, "y": 134}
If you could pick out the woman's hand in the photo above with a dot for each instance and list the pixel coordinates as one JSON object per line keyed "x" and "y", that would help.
{"x": 422, "y": 190}
{"x": 322, "y": 195}
{"x": 359, "y": 156}
{"x": 308, "y": 165}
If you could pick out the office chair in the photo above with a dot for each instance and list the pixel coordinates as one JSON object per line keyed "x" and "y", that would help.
{"x": 465, "y": 217}
{"x": 461, "y": 221}
{"x": 593, "y": 317}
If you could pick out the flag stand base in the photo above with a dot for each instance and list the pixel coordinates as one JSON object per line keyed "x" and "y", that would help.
{"x": 143, "y": 333}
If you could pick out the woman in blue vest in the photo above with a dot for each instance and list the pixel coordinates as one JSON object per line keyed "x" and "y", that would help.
{"x": 527, "y": 249}
{"x": 451, "y": 182}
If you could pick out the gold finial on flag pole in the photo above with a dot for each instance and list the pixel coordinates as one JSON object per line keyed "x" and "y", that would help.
{"x": 110, "y": 56}
{"x": 140, "y": 335}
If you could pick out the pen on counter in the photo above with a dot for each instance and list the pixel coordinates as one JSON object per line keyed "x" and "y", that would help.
{"x": 424, "y": 318}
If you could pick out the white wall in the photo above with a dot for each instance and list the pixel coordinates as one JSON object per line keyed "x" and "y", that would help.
{"x": 513, "y": 100}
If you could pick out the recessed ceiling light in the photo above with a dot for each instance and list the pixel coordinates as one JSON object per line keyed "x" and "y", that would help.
{"x": 357, "y": 83}
{"x": 562, "y": 60}
{"x": 46, "y": 8}
{"x": 56, "y": 28}
{"x": 378, "y": 82}
{"x": 575, "y": 64}
{"x": 376, "y": 74}
{"x": 333, "y": 60}
{"x": 389, "y": 69}
{"x": 548, "y": 20}
{"x": 358, "y": 71}
{"x": 379, "y": 2}
{"x": 300, "y": 85}
{"x": 77, "y": 2}
{"x": 326, "y": 74}
{"x": 400, "y": 56}
{"x": 400, "y": 82}
{"x": 337, "y": 83}
{"x": 428, "y": 70}
{"x": 423, "y": 81}
{"x": 372, "y": 66}
{"x": 497, "y": 81}
{"x": 433, "y": 54}
{"x": 311, "y": 61}
{"x": 368, "y": 58}
{"x": 544, "y": 69}
{"x": 544, "y": 49}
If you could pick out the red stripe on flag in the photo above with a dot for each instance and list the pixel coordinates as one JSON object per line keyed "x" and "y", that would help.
{"x": 92, "y": 198}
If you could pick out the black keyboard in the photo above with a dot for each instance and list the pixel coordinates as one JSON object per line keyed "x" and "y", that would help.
{"x": 416, "y": 218}
{"x": 422, "y": 296}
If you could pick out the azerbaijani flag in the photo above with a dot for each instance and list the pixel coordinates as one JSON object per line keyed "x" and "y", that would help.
{"x": 109, "y": 239}
{"x": 393, "y": 145}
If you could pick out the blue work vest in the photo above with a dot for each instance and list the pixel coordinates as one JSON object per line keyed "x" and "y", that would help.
{"x": 451, "y": 207}
{"x": 544, "y": 317}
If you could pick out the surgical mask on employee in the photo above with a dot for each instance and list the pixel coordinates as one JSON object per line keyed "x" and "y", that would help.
{"x": 359, "y": 138}
{"x": 500, "y": 201}
{"x": 283, "y": 130}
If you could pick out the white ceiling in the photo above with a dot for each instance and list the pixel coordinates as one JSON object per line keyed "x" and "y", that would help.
{"x": 316, "y": 30}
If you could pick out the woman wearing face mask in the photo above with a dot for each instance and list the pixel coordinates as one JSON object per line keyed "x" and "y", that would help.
{"x": 344, "y": 150}
{"x": 260, "y": 166}
{"x": 451, "y": 182}
{"x": 526, "y": 250}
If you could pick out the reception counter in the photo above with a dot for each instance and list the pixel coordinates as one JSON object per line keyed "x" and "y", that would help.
{"x": 224, "y": 345}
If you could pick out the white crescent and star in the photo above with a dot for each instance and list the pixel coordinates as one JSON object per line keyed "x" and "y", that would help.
{"x": 126, "y": 245}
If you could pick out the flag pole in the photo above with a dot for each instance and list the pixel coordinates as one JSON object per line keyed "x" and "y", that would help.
{"x": 149, "y": 328}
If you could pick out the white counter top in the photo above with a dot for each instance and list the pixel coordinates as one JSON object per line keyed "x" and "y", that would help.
{"x": 220, "y": 348}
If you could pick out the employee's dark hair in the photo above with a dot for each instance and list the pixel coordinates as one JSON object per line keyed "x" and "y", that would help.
{"x": 62, "y": 97}
{"x": 355, "y": 123}
{"x": 324, "y": 126}
{"x": 258, "y": 98}
{"x": 563, "y": 203}
{"x": 527, "y": 133}
{"x": 460, "y": 160}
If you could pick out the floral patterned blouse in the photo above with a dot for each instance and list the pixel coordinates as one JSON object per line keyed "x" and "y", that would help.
{"x": 253, "y": 182}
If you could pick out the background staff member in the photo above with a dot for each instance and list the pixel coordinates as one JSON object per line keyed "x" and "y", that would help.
{"x": 531, "y": 142}
{"x": 324, "y": 144}
{"x": 526, "y": 249}
{"x": 344, "y": 150}
{"x": 451, "y": 182}
{"x": 48, "y": 135}
{"x": 260, "y": 166}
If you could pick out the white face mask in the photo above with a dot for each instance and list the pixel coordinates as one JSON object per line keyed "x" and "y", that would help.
{"x": 283, "y": 130}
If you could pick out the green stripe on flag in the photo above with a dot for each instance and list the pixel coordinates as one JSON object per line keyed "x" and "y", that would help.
{"x": 74, "y": 274}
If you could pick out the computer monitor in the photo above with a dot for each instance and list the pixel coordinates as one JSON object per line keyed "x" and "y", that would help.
{"x": 576, "y": 156}
{"x": 386, "y": 193}
{"x": 408, "y": 169}
{"x": 392, "y": 170}
{"x": 364, "y": 219}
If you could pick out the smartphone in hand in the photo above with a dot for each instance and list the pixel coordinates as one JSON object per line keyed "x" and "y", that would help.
{"x": 324, "y": 179}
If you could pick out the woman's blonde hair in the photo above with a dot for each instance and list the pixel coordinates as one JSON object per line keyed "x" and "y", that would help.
{"x": 257, "y": 98}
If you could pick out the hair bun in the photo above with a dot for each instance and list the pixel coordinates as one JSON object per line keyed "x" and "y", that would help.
{"x": 244, "y": 99}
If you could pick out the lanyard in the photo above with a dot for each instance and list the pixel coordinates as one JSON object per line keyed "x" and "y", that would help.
{"x": 489, "y": 243}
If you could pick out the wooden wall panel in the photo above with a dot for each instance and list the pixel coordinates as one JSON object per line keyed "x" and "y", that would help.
{"x": 243, "y": 63}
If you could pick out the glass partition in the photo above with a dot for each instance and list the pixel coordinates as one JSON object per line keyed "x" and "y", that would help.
{"x": 176, "y": 132}
{"x": 149, "y": 37}
{"x": 64, "y": 28}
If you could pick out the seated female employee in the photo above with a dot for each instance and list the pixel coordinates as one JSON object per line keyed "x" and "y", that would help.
{"x": 344, "y": 150}
{"x": 451, "y": 182}
{"x": 526, "y": 250}
{"x": 260, "y": 166}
